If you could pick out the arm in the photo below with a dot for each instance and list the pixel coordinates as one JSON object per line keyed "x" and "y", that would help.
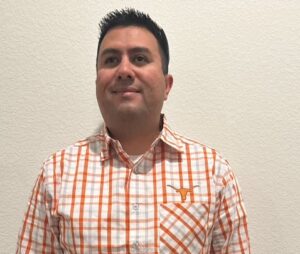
{"x": 230, "y": 233}
{"x": 39, "y": 233}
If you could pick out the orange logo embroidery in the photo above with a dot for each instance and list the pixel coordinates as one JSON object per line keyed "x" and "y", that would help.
{"x": 183, "y": 191}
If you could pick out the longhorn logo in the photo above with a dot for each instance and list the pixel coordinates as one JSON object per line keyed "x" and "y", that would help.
{"x": 183, "y": 191}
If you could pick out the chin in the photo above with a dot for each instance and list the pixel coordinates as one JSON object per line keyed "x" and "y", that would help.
{"x": 130, "y": 112}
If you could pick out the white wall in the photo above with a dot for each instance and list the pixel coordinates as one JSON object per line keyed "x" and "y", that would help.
{"x": 236, "y": 66}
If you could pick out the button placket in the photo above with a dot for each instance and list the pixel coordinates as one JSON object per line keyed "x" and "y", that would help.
{"x": 135, "y": 208}
{"x": 138, "y": 247}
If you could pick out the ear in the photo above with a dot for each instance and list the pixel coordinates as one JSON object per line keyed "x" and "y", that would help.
{"x": 169, "y": 84}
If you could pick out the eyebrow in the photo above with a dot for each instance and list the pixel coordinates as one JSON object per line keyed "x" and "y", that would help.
{"x": 109, "y": 51}
{"x": 139, "y": 50}
{"x": 132, "y": 50}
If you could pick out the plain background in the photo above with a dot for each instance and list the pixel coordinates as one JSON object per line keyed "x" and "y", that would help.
{"x": 236, "y": 68}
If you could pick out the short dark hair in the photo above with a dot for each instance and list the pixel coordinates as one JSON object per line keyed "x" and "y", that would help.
{"x": 128, "y": 17}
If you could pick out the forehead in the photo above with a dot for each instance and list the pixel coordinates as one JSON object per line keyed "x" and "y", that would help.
{"x": 129, "y": 37}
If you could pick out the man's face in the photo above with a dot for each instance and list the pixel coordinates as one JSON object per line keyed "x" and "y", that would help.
{"x": 130, "y": 80}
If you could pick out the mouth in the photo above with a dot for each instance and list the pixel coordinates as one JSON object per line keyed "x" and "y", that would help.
{"x": 127, "y": 90}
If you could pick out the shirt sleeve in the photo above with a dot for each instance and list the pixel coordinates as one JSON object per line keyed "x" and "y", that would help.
{"x": 39, "y": 232}
{"x": 230, "y": 233}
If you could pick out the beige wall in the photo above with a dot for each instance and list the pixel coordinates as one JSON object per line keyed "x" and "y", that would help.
{"x": 236, "y": 66}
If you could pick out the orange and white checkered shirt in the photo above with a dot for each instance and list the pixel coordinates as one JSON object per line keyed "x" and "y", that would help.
{"x": 179, "y": 197}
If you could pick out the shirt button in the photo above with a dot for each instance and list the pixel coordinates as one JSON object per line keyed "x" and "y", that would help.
{"x": 135, "y": 246}
{"x": 135, "y": 208}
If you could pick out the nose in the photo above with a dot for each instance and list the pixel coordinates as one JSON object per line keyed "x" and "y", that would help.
{"x": 125, "y": 71}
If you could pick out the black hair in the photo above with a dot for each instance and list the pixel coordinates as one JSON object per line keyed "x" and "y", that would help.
{"x": 128, "y": 17}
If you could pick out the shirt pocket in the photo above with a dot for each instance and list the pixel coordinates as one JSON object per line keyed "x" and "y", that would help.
{"x": 184, "y": 227}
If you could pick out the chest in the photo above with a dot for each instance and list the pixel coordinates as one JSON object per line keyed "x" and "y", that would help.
{"x": 158, "y": 206}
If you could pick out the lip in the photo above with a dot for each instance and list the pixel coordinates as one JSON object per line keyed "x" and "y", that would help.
{"x": 126, "y": 90}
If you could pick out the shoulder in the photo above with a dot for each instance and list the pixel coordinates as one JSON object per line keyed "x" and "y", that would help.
{"x": 199, "y": 152}
{"x": 196, "y": 147}
{"x": 93, "y": 145}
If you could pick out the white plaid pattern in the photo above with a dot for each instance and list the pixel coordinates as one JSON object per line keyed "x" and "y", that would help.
{"x": 180, "y": 197}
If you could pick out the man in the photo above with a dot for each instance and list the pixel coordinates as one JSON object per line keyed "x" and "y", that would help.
{"x": 137, "y": 187}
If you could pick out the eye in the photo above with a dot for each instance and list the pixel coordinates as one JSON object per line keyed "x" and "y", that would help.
{"x": 110, "y": 61}
{"x": 140, "y": 60}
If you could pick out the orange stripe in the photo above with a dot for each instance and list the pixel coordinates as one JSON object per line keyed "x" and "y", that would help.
{"x": 62, "y": 163}
{"x": 219, "y": 220}
{"x": 74, "y": 197}
{"x": 240, "y": 239}
{"x": 54, "y": 183}
{"x": 63, "y": 228}
{"x": 173, "y": 250}
{"x": 190, "y": 173}
{"x": 127, "y": 207}
{"x": 45, "y": 236}
{"x": 213, "y": 170}
{"x": 83, "y": 189}
{"x": 244, "y": 218}
{"x": 52, "y": 243}
{"x": 100, "y": 205}
{"x": 54, "y": 207}
{"x": 179, "y": 218}
{"x": 174, "y": 238}
{"x": 196, "y": 220}
{"x": 212, "y": 250}
{"x": 179, "y": 161}
{"x": 109, "y": 209}
{"x": 156, "y": 212}
{"x": 207, "y": 175}
{"x": 33, "y": 215}
{"x": 229, "y": 221}
{"x": 163, "y": 172}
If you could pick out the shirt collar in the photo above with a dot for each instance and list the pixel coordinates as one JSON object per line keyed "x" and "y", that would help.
{"x": 167, "y": 135}
{"x": 170, "y": 137}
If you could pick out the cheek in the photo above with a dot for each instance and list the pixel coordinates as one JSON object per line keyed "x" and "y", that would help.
{"x": 152, "y": 78}
{"x": 100, "y": 87}
{"x": 104, "y": 77}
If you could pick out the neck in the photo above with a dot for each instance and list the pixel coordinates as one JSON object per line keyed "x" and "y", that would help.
{"x": 135, "y": 136}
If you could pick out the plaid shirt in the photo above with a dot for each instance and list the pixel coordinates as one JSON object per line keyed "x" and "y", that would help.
{"x": 179, "y": 197}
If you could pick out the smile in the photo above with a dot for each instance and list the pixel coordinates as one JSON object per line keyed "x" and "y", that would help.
{"x": 125, "y": 91}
